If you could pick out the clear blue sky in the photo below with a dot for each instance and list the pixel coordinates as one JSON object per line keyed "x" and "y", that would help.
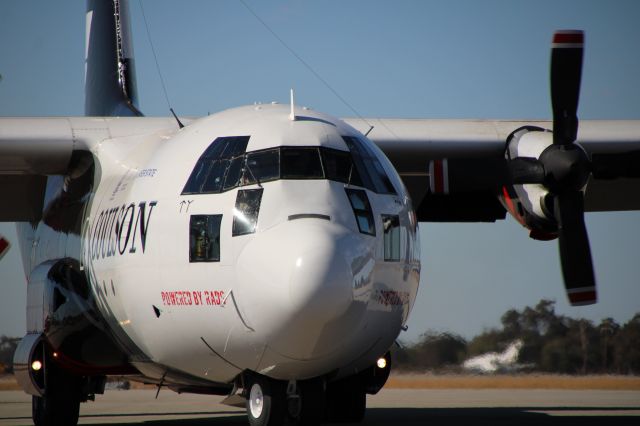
{"x": 425, "y": 59}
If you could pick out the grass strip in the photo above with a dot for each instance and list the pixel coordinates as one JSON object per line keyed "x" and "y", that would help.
{"x": 528, "y": 381}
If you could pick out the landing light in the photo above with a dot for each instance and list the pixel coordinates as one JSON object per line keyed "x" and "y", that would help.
{"x": 36, "y": 365}
{"x": 381, "y": 363}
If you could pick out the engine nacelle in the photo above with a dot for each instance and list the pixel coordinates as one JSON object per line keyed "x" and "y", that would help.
{"x": 58, "y": 295}
{"x": 472, "y": 189}
{"x": 531, "y": 203}
{"x": 520, "y": 180}
{"x": 528, "y": 203}
{"x": 29, "y": 364}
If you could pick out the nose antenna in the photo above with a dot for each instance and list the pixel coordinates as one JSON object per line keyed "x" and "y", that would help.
{"x": 292, "y": 115}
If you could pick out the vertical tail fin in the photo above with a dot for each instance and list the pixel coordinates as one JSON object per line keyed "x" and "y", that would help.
{"x": 110, "y": 87}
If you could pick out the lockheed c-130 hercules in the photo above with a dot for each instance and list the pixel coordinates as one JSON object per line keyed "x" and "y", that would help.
{"x": 269, "y": 253}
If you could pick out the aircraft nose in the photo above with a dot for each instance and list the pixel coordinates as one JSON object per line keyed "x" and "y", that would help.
{"x": 301, "y": 280}
{"x": 320, "y": 280}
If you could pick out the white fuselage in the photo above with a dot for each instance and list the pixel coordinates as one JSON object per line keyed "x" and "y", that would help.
{"x": 305, "y": 294}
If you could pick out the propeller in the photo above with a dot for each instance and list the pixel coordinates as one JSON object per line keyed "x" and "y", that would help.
{"x": 567, "y": 168}
{"x": 575, "y": 254}
{"x": 563, "y": 168}
{"x": 566, "y": 73}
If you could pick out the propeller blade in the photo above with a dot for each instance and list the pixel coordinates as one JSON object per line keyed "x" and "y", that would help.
{"x": 575, "y": 254}
{"x": 566, "y": 71}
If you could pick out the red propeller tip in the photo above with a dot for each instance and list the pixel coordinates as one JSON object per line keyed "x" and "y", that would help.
{"x": 568, "y": 39}
{"x": 582, "y": 296}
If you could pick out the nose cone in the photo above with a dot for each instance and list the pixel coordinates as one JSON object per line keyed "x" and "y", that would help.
{"x": 320, "y": 280}
{"x": 301, "y": 284}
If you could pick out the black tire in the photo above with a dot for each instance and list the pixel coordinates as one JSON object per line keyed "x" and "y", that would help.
{"x": 313, "y": 397}
{"x": 346, "y": 401}
{"x": 266, "y": 402}
{"x": 60, "y": 405}
{"x": 55, "y": 410}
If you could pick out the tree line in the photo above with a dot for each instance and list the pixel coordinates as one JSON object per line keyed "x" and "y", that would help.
{"x": 8, "y": 346}
{"x": 552, "y": 343}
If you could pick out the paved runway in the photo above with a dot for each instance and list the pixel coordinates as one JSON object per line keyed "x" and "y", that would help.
{"x": 390, "y": 407}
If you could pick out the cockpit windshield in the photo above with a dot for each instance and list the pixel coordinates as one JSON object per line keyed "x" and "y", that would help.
{"x": 225, "y": 165}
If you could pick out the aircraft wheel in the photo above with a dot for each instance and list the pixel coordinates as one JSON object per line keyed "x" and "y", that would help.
{"x": 55, "y": 410}
{"x": 266, "y": 402}
{"x": 346, "y": 401}
{"x": 60, "y": 405}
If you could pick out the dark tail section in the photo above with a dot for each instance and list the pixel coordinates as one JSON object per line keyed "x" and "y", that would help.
{"x": 110, "y": 87}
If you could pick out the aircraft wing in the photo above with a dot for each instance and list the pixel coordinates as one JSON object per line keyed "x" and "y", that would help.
{"x": 411, "y": 144}
{"x": 33, "y": 148}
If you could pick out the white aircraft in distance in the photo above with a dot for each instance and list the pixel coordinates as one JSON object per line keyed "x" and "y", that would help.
{"x": 269, "y": 252}
{"x": 506, "y": 361}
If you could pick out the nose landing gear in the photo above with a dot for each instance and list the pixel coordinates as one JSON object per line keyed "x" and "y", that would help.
{"x": 272, "y": 402}
{"x": 266, "y": 403}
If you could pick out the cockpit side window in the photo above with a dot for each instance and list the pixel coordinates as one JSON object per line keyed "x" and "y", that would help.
{"x": 214, "y": 164}
{"x": 234, "y": 171}
{"x": 391, "y": 227}
{"x": 213, "y": 181}
{"x": 204, "y": 238}
{"x": 339, "y": 167}
{"x": 369, "y": 167}
{"x": 198, "y": 177}
{"x": 362, "y": 210}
